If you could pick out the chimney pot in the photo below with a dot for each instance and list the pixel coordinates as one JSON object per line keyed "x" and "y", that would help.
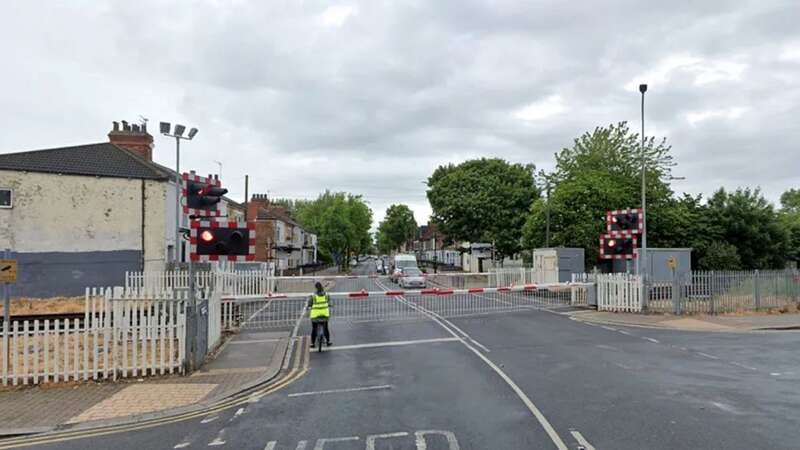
{"x": 144, "y": 128}
{"x": 125, "y": 126}
{"x": 135, "y": 128}
{"x": 116, "y": 125}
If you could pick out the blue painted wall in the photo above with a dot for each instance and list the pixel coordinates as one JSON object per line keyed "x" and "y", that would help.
{"x": 51, "y": 274}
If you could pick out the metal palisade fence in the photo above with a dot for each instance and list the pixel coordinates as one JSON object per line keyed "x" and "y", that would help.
{"x": 703, "y": 292}
{"x": 712, "y": 292}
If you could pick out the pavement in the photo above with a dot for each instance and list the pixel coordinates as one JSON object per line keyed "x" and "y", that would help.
{"x": 528, "y": 379}
{"x": 730, "y": 323}
{"x": 243, "y": 361}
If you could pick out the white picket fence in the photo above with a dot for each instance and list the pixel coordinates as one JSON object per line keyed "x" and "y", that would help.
{"x": 122, "y": 334}
{"x": 240, "y": 282}
{"x": 619, "y": 292}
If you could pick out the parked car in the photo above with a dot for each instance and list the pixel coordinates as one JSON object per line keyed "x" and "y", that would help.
{"x": 412, "y": 277}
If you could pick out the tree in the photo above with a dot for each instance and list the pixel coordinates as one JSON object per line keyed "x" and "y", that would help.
{"x": 790, "y": 216}
{"x": 720, "y": 256}
{"x": 482, "y": 200}
{"x": 341, "y": 222}
{"x": 397, "y": 228}
{"x": 602, "y": 171}
{"x": 747, "y": 221}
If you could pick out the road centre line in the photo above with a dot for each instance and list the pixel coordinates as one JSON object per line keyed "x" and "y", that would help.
{"x": 582, "y": 440}
{"x": 392, "y": 343}
{"x": 463, "y": 333}
{"x": 548, "y": 428}
{"x": 338, "y": 391}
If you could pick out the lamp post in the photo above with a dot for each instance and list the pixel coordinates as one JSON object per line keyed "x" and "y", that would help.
{"x": 643, "y": 252}
{"x": 177, "y": 133}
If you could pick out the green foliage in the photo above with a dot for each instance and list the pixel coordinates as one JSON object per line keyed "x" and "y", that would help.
{"x": 341, "y": 222}
{"x": 790, "y": 217}
{"x": 602, "y": 171}
{"x": 397, "y": 228}
{"x": 746, "y": 220}
{"x": 790, "y": 201}
{"x": 720, "y": 256}
{"x": 482, "y": 200}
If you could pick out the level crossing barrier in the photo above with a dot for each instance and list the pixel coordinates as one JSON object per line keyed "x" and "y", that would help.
{"x": 285, "y": 309}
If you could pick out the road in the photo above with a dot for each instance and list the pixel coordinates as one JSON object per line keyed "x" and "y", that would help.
{"x": 530, "y": 379}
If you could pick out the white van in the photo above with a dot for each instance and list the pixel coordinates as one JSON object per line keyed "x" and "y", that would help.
{"x": 401, "y": 261}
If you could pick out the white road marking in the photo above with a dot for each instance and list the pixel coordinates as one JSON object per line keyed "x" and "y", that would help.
{"x": 209, "y": 419}
{"x": 183, "y": 444}
{"x": 775, "y": 374}
{"x": 654, "y": 341}
{"x": 391, "y": 343}
{"x": 238, "y": 413}
{"x": 337, "y": 391}
{"x": 301, "y": 445}
{"x": 706, "y": 355}
{"x": 374, "y": 437}
{"x": 321, "y": 442}
{"x": 742, "y": 366}
{"x": 451, "y": 439}
{"x": 623, "y": 366}
{"x": 463, "y": 333}
{"x": 548, "y": 428}
{"x": 608, "y": 328}
{"x": 271, "y": 445}
{"x": 218, "y": 440}
{"x": 480, "y": 345}
{"x": 625, "y": 333}
{"x": 582, "y": 440}
{"x": 254, "y": 341}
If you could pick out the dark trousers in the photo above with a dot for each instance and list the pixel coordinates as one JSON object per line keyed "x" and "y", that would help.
{"x": 325, "y": 330}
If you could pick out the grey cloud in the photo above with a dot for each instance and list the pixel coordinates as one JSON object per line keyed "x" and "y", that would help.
{"x": 375, "y": 105}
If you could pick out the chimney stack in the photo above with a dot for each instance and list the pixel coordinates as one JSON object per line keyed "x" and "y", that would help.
{"x": 135, "y": 139}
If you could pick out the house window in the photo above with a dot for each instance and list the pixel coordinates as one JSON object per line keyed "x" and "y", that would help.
{"x": 6, "y": 198}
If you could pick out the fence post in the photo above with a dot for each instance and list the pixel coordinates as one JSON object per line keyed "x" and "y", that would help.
{"x": 757, "y": 290}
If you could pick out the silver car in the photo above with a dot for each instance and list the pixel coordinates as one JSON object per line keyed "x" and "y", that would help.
{"x": 411, "y": 277}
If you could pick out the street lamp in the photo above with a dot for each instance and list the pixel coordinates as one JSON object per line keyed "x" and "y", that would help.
{"x": 164, "y": 127}
{"x": 643, "y": 252}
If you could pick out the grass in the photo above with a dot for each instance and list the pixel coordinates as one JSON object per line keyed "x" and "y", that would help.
{"x": 40, "y": 306}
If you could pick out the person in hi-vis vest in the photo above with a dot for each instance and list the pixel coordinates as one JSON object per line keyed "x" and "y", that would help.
{"x": 319, "y": 305}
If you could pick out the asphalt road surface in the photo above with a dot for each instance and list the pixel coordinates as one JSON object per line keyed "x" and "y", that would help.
{"x": 529, "y": 379}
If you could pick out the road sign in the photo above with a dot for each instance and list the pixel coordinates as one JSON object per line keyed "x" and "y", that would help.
{"x": 8, "y": 270}
{"x": 672, "y": 262}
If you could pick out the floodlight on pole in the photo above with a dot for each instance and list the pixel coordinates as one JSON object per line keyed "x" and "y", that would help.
{"x": 178, "y": 135}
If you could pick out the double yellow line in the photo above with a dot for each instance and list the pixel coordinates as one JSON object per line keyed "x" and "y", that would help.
{"x": 299, "y": 368}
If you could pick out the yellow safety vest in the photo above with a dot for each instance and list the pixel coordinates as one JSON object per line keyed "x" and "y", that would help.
{"x": 319, "y": 308}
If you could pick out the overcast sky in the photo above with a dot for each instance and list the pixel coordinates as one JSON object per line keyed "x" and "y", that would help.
{"x": 369, "y": 97}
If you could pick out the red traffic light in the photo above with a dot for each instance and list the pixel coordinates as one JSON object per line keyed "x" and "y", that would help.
{"x": 611, "y": 243}
{"x": 206, "y": 236}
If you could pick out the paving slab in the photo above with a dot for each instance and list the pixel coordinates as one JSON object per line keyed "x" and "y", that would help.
{"x": 243, "y": 361}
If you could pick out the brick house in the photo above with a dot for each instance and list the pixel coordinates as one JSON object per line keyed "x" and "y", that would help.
{"x": 279, "y": 238}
